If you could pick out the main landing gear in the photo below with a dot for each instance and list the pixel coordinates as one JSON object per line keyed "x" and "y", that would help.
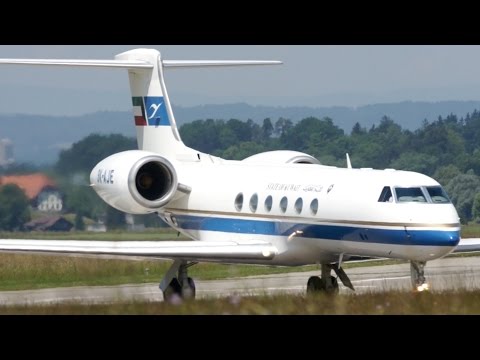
{"x": 180, "y": 285}
{"x": 419, "y": 283}
{"x": 327, "y": 283}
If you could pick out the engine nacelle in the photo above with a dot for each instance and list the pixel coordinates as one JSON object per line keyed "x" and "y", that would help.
{"x": 135, "y": 182}
{"x": 282, "y": 157}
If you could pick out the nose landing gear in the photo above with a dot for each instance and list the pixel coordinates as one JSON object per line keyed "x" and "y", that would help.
{"x": 417, "y": 273}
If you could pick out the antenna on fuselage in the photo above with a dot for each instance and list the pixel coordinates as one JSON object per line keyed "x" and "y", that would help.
{"x": 349, "y": 164}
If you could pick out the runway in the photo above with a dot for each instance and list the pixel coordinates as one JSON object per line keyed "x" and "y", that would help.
{"x": 449, "y": 273}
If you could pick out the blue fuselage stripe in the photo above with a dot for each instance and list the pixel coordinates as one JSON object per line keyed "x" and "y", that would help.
{"x": 327, "y": 232}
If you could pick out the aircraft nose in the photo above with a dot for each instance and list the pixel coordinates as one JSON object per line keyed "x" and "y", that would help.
{"x": 446, "y": 238}
{"x": 449, "y": 238}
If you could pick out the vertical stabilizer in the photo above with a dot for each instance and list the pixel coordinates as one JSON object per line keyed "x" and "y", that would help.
{"x": 154, "y": 120}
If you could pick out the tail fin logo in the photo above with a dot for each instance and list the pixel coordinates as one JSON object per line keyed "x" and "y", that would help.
{"x": 150, "y": 111}
{"x": 155, "y": 108}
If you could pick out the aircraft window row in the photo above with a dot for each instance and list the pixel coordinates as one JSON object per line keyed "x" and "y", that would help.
{"x": 428, "y": 194}
{"x": 268, "y": 204}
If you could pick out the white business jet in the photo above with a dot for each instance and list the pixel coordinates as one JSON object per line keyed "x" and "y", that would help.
{"x": 275, "y": 208}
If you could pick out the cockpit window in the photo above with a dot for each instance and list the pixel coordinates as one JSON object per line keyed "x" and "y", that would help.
{"x": 438, "y": 195}
{"x": 410, "y": 195}
{"x": 386, "y": 195}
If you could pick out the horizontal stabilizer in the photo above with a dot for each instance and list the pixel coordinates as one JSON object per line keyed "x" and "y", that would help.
{"x": 208, "y": 63}
{"x": 188, "y": 250}
{"x": 129, "y": 64}
{"x": 93, "y": 63}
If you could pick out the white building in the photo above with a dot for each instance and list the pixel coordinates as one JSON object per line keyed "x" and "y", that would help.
{"x": 6, "y": 152}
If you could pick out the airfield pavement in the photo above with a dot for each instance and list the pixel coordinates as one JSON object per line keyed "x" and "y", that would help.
{"x": 442, "y": 274}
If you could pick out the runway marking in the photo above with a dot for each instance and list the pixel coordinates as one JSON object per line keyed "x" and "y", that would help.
{"x": 381, "y": 279}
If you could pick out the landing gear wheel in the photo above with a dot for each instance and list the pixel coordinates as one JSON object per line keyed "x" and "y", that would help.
{"x": 315, "y": 285}
{"x": 334, "y": 288}
{"x": 189, "y": 291}
{"x": 172, "y": 289}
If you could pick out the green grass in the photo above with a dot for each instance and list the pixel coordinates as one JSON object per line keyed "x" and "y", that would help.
{"x": 471, "y": 230}
{"x": 120, "y": 235}
{"x": 388, "y": 303}
{"x": 26, "y": 271}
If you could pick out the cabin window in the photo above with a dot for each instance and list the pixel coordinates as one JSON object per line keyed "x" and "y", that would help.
{"x": 386, "y": 195}
{"x": 254, "y": 203}
{"x": 438, "y": 195}
{"x": 298, "y": 205}
{"x": 239, "y": 202}
{"x": 314, "y": 206}
{"x": 410, "y": 195}
{"x": 268, "y": 203}
{"x": 284, "y": 204}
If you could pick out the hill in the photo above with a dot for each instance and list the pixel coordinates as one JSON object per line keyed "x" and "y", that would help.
{"x": 38, "y": 139}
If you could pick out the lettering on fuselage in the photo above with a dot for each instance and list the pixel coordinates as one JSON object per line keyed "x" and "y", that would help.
{"x": 294, "y": 187}
{"x": 105, "y": 176}
{"x": 313, "y": 188}
{"x": 283, "y": 187}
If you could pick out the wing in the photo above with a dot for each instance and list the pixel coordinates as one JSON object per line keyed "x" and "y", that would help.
{"x": 466, "y": 245}
{"x": 186, "y": 250}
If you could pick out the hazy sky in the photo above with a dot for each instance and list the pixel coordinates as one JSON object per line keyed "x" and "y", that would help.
{"x": 311, "y": 75}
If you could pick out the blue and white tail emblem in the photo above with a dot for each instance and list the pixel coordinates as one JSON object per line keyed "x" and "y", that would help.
{"x": 150, "y": 111}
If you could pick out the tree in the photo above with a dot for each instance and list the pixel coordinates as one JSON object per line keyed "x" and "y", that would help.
{"x": 442, "y": 140}
{"x": 14, "y": 208}
{"x": 282, "y": 126}
{"x": 115, "y": 219}
{"x": 267, "y": 129}
{"x": 476, "y": 208}
{"x": 88, "y": 152}
{"x": 203, "y": 135}
{"x": 418, "y": 162}
{"x": 446, "y": 173}
{"x": 81, "y": 198}
{"x": 312, "y": 134}
{"x": 358, "y": 130}
{"x": 242, "y": 151}
{"x": 79, "y": 224}
{"x": 462, "y": 189}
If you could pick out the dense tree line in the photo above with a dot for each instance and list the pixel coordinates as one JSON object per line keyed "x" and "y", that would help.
{"x": 449, "y": 141}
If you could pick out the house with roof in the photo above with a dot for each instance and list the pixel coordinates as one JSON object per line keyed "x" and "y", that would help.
{"x": 41, "y": 190}
{"x": 49, "y": 223}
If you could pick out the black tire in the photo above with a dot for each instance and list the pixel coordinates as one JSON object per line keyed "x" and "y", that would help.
{"x": 315, "y": 285}
{"x": 334, "y": 289}
{"x": 172, "y": 289}
{"x": 191, "y": 291}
